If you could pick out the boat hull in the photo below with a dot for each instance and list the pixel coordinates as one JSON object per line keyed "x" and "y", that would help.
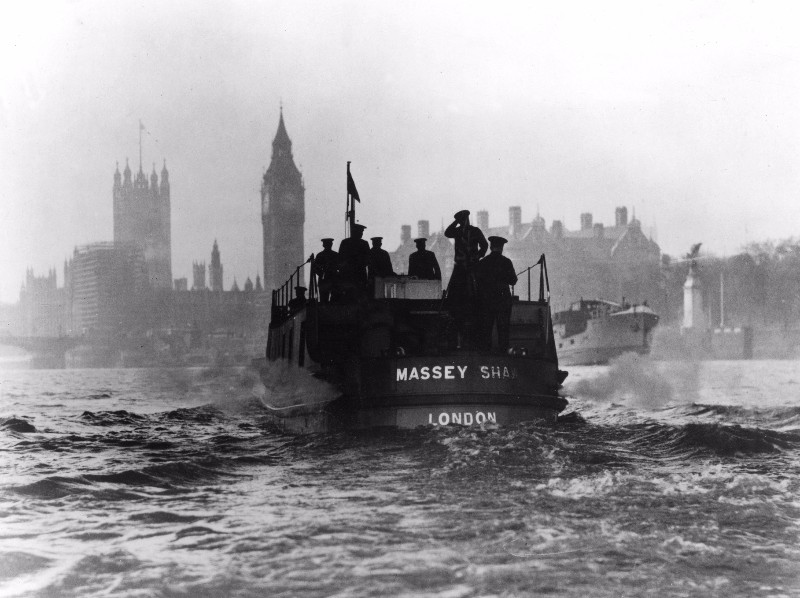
{"x": 333, "y": 417}
{"x": 600, "y": 355}
{"x": 606, "y": 337}
{"x": 468, "y": 388}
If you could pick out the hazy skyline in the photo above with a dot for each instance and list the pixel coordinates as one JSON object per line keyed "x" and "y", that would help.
{"x": 685, "y": 112}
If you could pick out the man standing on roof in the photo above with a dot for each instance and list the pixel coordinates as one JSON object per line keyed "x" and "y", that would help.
{"x": 380, "y": 263}
{"x": 326, "y": 267}
{"x": 423, "y": 263}
{"x": 353, "y": 262}
{"x": 299, "y": 301}
{"x": 495, "y": 274}
{"x": 470, "y": 246}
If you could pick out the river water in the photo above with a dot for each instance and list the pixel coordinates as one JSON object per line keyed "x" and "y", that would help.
{"x": 676, "y": 479}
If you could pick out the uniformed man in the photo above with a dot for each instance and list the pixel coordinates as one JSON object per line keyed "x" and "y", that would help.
{"x": 495, "y": 274}
{"x": 326, "y": 267}
{"x": 380, "y": 263}
{"x": 423, "y": 263}
{"x": 470, "y": 246}
{"x": 299, "y": 301}
{"x": 353, "y": 262}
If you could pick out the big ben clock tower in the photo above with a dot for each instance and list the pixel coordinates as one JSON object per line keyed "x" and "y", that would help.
{"x": 283, "y": 212}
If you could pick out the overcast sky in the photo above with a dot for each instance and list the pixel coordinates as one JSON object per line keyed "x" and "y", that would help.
{"x": 686, "y": 112}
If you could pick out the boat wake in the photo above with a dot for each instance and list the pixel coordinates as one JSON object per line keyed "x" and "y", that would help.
{"x": 284, "y": 385}
{"x": 637, "y": 380}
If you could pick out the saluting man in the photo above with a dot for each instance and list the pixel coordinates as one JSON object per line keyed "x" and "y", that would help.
{"x": 326, "y": 267}
{"x": 470, "y": 246}
{"x": 495, "y": 274}
{"x": 423, "y": 263}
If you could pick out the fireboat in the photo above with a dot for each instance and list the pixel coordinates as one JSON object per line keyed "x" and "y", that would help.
{"x": 397, "y": 359}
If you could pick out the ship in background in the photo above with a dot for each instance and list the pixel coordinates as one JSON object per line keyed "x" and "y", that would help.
{"x": 594, "y": 331}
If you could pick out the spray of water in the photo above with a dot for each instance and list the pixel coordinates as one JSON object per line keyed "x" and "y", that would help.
{"x": 286, "y": 385}
{"x": 638, "y": 380}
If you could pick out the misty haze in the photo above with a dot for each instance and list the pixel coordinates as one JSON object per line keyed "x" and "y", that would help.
{"x": 402, "y": 299}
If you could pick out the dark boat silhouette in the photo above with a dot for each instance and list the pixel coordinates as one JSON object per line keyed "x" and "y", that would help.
{"x": 393, "y": 355}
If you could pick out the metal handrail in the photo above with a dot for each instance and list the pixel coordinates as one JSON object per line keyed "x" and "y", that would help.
{"x": 282, "y": 295}
{"x": 544, "y": 280}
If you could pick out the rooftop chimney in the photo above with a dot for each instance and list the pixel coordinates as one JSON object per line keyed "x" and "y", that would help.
{"x": 621, "y": 216}
{"x": 557, "y": 229}
{"x": 405, "y": 233}
{"x": 586, "y": 220}
{"x": 423, "y": 229}
{"x": 483, "y": 220}
{"x": 514, "y": 220}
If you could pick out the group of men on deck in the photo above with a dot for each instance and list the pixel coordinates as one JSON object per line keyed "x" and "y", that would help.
{"x": 477, "y": 293}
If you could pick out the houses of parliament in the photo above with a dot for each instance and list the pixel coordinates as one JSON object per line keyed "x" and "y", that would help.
{"x": 120, "y": 295}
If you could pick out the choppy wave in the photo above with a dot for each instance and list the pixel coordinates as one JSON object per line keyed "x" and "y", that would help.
{"x": 190, "y": 491}
{"x": 17, "y": 424}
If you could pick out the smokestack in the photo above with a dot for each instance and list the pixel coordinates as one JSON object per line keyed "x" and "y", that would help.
{"x": 514, "y": 220}
{"x": 405, "y": 234}
{"x": 423, "y": 229}
{"x": 483, "y": 220}
{"x": 621, "y": 216}
{"x": 586, "y": 220}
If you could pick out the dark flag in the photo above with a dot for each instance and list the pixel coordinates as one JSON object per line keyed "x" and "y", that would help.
{"x": 351, "y": 188}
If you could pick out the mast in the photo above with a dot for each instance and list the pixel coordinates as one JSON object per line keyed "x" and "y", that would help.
{"x": 347, "y": 222}
{"x": 352, "y": 197}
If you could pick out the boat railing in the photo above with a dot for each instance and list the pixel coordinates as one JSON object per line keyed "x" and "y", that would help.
{"x": 284, "y": 294}
{"x": 544, "y": 281}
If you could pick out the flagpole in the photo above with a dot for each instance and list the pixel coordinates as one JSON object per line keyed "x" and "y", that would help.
{"x": 347, "y": 201}
{"x": 351, "y": 206}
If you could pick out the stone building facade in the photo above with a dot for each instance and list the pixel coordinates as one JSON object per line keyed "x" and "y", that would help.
{"x": 282, "y": 212}
{"x": 596, "y": 261}
{"x": 41, "y": 306}
{"x": 107, "y": 290}
{"x": 142, "y": 220}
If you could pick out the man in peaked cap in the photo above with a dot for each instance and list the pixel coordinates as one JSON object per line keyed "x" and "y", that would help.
{"x": 423, "y": 263}
{"x": 495, "y": 274}
{"x": 380, "y": 263}
{"x": 299, "y": 301}
{"x": 353, "y": 262}
{"x": 326, "y": 267}
{"x": 470, "y": 246}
